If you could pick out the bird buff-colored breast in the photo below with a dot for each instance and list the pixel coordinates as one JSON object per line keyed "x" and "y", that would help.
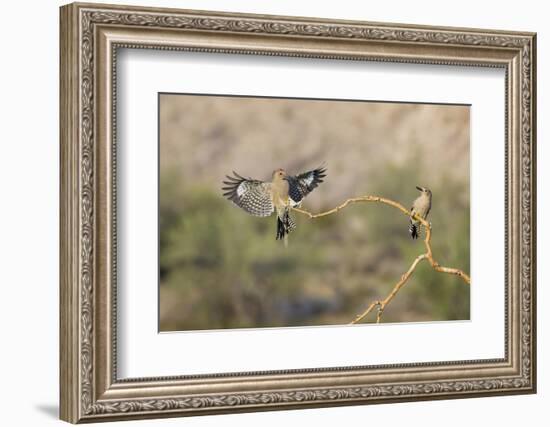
{"x": 421, "y": 205}
{"x": 279, "y": 191}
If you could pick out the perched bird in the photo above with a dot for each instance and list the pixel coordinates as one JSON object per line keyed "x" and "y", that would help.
{"x": 421, "y": 207}
{"x": 261, "y": 198}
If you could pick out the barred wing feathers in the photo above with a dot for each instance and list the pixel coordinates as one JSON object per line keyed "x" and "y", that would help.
{"x": 249, "y": 194}
{"x": 301, "y": 185}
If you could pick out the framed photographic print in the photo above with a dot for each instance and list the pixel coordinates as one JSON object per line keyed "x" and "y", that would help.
{"x": 265, "y": 212}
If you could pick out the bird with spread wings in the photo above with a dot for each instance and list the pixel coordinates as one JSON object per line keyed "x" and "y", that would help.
{"x": 262, "y": 198}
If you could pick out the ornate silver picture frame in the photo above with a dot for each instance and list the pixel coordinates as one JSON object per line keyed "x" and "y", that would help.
{"x": 91, "y": 36}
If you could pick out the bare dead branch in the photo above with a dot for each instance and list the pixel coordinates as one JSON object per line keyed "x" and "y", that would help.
{"x": 381, "y": 305}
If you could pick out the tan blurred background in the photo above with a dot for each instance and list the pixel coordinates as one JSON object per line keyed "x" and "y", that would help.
{"x": 222, "y": 268}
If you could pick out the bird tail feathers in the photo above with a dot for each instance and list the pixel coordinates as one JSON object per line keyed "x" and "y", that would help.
{"x": 414, "y": 229}
{"x": 284, "y": 225}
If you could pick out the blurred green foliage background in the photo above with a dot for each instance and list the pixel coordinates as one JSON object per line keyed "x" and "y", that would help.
{"x": 222, "y": 268}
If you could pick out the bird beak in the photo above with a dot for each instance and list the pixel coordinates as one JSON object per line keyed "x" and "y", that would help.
{"x": 419, "y": 188}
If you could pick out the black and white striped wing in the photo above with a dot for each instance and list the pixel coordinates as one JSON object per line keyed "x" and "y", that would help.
{"x": 251, "y": 195}
{"x": 301, "y": 185}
